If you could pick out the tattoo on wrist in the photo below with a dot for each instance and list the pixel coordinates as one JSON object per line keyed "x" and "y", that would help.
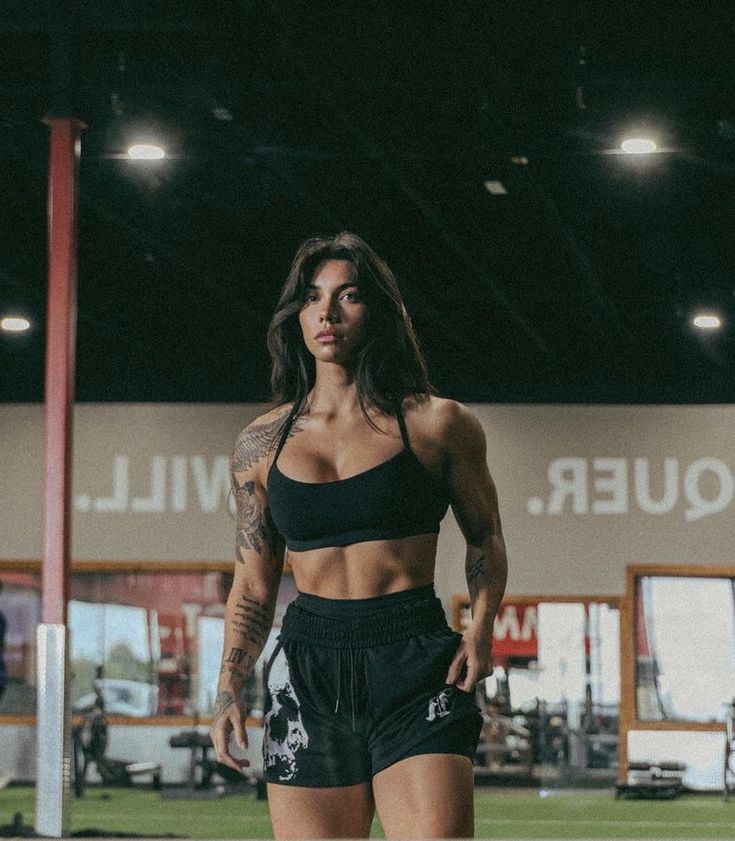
{"x": 222, "y": 702}
{"x": 237, "y": 674}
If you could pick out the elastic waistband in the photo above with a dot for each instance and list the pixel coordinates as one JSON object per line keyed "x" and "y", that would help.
{"x": 359, "y": 623}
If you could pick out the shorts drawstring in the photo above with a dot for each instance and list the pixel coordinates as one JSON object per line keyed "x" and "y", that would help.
{"x": 352, "y": 687}
{"x": 339, "y": 677}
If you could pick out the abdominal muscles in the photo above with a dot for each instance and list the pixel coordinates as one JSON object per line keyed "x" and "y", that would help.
{"x": 369, "y": 568}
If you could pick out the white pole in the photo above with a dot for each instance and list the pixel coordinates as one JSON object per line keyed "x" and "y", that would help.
{"x": 53, "y": 747}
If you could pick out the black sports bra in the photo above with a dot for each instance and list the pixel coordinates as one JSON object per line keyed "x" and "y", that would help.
{"x": 396, "y": 498}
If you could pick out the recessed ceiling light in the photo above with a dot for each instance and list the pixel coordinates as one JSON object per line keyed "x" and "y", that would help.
{"x": 707, "y": 321}
{"x": 495, "y": 188}
{"x": 14, "y": 324}
{"x": 638, "y": 146}
{"x": 146, "y": 152}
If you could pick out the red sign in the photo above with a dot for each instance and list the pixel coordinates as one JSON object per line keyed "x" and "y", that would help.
{"x": 515, "y": 633}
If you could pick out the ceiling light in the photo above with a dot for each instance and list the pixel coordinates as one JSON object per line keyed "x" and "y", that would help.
{"x": 638, "y": 146}
{"x": 707, "y": 321}
{"x": 495, "y": 188}
{"x": 14, "y": 324}
{"x": 146, "y": 152}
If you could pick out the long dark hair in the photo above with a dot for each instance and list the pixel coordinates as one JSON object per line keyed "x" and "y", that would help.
{"x": 388, "y": 366}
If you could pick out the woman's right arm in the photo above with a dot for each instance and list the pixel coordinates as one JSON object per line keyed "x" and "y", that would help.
{"x": 252, "y": 600}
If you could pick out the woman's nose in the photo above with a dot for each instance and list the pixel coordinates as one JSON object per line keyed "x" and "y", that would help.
{"x": 327, "y": 310}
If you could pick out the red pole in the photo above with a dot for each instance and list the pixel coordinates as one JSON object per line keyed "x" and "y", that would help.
{"x": 60, "y": 364}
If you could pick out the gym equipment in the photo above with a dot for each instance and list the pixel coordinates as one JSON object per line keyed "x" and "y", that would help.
{"x": 89, "y": 744}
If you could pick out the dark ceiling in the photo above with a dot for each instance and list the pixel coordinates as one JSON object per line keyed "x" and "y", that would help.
{"x": 289, "y": 119}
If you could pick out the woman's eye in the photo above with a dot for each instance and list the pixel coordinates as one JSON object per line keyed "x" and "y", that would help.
{"x": 312, "y": 297}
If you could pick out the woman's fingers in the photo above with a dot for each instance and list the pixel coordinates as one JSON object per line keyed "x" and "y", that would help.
{"x": 468, "y": 683}
{"x": 474, "y": 675}
{"x": 217, "y": 736}
{"x": 226, "y": 758}
{"x": 455, "y": 667}
{"x": 241, "y": 734}
{"x": 220, "y": 735}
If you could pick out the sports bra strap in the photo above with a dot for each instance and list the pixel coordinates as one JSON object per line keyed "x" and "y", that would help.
{"x": 284, "y": 431}
{"x": 289, "y": 421}
{"x": 402, "y": 425}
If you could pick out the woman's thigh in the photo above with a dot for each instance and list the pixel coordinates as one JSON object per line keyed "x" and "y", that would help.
{"x": 427, "y": 796}
{"x": 306, "y": 812}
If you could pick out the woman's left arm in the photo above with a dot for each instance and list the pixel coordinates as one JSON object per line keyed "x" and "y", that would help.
{"x": 474, "y": 502}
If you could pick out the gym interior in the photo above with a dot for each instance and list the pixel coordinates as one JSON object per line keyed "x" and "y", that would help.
{"x": 613, "y": 649}
{"x": 552, "y": 186}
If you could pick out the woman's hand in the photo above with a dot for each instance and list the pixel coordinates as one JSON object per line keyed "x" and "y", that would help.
{"x": 229, "y": 716}
{"x": 473, "y": 657}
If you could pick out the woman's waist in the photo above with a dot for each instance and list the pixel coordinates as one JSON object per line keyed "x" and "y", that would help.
{"x": 374, "y": 620}
{"x": 365, "y": 569}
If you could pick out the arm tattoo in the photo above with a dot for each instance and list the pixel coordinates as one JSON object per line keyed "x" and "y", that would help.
{"x": 476, "y": 574}
{"x": 255, "y": 441}
{"x": 252, "y": 444}
{"x": 255, "y": 527}
{"x": 254, "y": 524}
{"x": 253, "y": 619}
{"x": 221, "y": 703}
{"x": 238, "y": 663}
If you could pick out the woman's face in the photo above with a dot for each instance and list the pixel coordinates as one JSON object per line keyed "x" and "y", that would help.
{"x": 333, "y": 303}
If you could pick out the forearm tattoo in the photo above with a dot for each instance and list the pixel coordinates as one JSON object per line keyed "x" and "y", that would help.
{"x": 253, "y": 620}
{"x": 237, "y": 663}
{"x": 255, "y": 527}
{"x": 476, "y": 574}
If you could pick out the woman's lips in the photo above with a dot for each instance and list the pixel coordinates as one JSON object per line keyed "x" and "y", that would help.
{"x": 326, "y": 338}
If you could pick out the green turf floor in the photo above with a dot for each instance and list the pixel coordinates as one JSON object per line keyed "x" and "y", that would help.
{"x": 499, "y": 813}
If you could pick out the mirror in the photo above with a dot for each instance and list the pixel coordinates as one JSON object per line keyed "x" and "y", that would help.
{"x": 684, "y": 648}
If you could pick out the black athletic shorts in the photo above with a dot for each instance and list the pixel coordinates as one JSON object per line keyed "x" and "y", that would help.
{"x": 354, "y": 685}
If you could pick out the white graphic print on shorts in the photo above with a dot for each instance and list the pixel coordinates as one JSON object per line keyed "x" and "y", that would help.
{"x": 284, "y": 729}
{"x": 439, "y": 705}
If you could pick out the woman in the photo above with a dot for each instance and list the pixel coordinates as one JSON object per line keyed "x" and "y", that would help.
{"x": 370, "y": 696}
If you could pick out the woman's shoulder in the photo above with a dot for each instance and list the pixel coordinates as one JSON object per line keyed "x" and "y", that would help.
{"x": 432, "y": 414}
{"x": 274, "y": 415}
{"x": 440, "y": 421}
{"x": 258, "y": 438}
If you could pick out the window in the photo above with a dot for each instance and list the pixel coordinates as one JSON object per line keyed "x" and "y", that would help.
{"x": 148, "y": 642}
{"x": 684, "y": 648}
